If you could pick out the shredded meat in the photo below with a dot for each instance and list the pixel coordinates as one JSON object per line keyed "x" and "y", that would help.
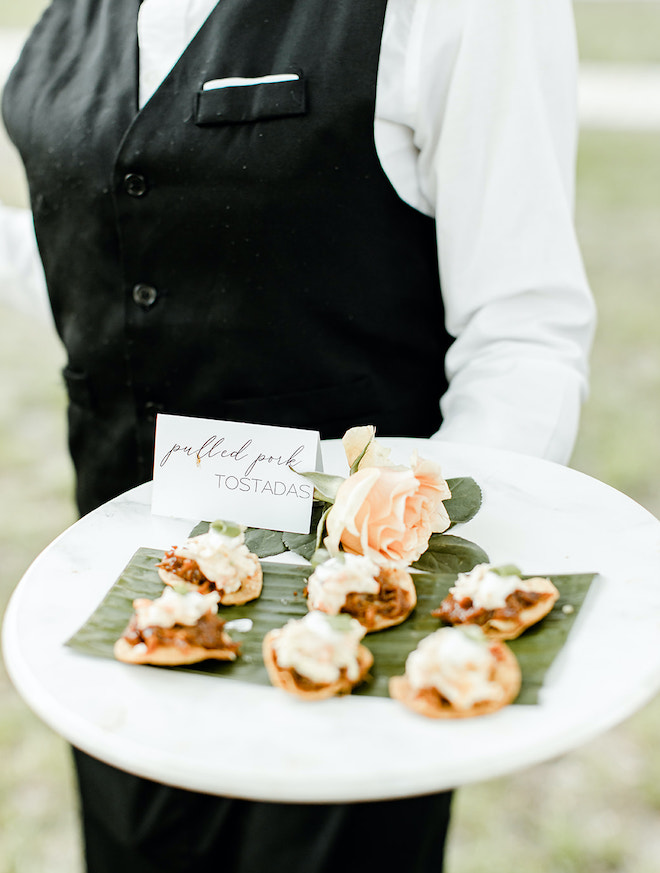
{"x": 459, "y": 611}
{"x": 434, "y": 697}
{"x": 187, "y": 569}
{"x": 390, "y": 602}
{"x": 208, "y": 633}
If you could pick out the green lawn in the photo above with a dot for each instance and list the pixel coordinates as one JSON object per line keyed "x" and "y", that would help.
{"x": 618, "y": 219}
{"x": 20, "y": 13}
{"x": 594, "y": 810}
{"x": 625, "y": 32}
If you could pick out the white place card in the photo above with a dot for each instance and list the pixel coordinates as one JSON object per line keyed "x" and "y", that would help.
{"x": 247, "y": 473}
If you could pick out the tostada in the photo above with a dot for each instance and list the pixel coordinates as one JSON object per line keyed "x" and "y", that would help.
{"x": 217, "y": 560}
{"x": 317, "y": 656}
{"x": 498, "y": 600}
{"x": 457, "y": 673}
{"x": 377, "y": 596}
{"x": 176, "y": 628}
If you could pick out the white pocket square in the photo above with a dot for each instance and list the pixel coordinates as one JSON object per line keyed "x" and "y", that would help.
{"x": 238, "y": 81}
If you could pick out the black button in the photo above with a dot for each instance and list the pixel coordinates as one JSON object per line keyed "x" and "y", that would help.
{"x": 135, "y": 184}
{"x": 144, "y": 295}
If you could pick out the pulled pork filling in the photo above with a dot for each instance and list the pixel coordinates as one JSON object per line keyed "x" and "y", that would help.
{"x": 390, "y": 602}
{"x": 458, "y": 611}
{"x": 208, "y": 633}
{"x": 187, "y": 569}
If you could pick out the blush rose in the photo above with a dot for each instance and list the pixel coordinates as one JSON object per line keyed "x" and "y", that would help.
{"x": 389, "y": 513}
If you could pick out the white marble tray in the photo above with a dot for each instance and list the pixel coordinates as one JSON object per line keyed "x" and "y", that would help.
{"x": 225, "y": 737}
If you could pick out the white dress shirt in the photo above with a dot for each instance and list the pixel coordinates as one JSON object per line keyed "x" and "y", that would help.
{"x": 476, "y": 124}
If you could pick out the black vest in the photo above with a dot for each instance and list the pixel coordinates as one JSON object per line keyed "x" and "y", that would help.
{"x": 235, "y": 253}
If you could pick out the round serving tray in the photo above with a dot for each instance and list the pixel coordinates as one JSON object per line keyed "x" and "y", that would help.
{"x": 226, "y": 737}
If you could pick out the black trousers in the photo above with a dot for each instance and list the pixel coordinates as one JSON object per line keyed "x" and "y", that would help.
{"x": 133, "y": 825}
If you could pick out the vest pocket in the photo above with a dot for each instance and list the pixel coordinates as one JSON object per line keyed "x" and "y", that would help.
{"x": 255, "y": 101}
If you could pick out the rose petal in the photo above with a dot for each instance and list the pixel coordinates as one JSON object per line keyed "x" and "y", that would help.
{"x": 350, "y": 498}
{"x": 388, "y": 513}
{"x": 354, "y": 441}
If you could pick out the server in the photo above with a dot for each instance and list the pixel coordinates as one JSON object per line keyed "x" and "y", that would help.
{"x": 253, "y": 233}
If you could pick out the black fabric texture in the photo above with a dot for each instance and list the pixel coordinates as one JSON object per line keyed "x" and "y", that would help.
{"x": 158, "y": 829}
{"x": 286, "y": 282}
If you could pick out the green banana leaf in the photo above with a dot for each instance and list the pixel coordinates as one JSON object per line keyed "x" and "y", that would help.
{"x": 282, "y": 598}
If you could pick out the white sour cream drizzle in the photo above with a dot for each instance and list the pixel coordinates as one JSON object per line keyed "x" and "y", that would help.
{"x": 225, "y": 560}
{"x": 174, "y": 608}
{"x": 332, "y": 581}
{"x": 317, "y": 650}
{"x": 458, "y": 664}
{"x": 486, "y": 589}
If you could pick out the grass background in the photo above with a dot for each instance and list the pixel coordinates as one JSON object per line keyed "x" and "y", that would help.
{"x": 595, "y": 810}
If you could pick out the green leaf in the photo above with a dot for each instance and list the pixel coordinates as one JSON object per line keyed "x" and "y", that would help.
{"x": 264, "y": 543}
{"x": 325, "y": 485}
{"x": 139, "y": 579}
{"x": 537, "y": 648}
{"x": 465, "y": 499}
{"x": 201, "y": 527}
{"x": 302, "y": 544}
{"x": 320, "y": 529}
{"x": 449, "y": 554}
{"x": 306, "y": 544}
